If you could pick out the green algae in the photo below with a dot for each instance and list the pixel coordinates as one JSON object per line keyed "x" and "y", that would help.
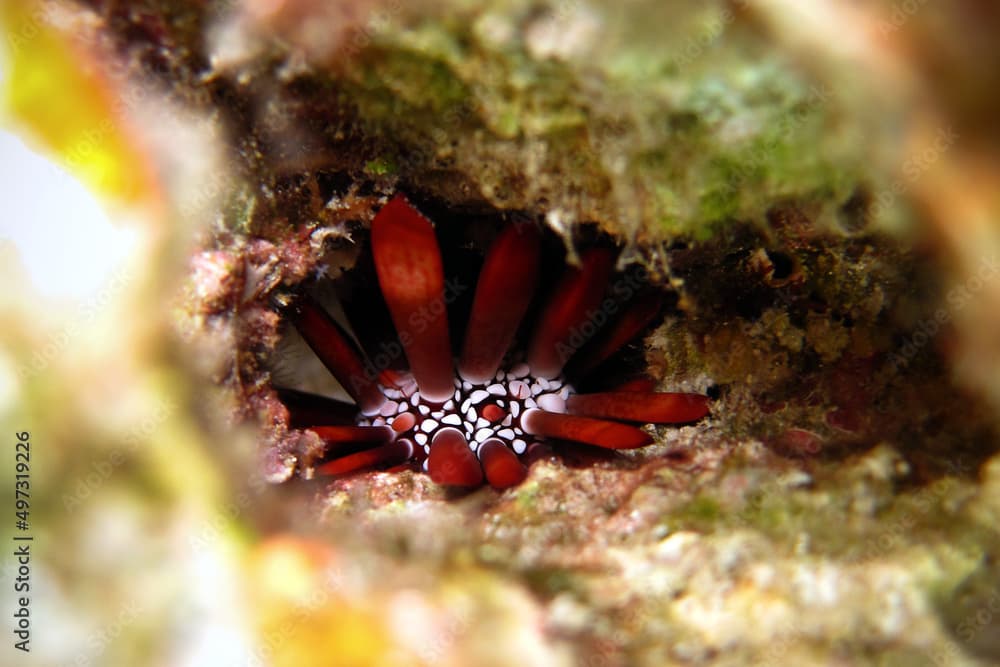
{"x": 625, "y": 135}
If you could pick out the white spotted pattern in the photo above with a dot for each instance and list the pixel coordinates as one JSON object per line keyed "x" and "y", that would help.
{"x": 513, "y": 391}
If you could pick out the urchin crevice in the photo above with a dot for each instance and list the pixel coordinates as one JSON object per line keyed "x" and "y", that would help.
{"x": 477, "y": 414}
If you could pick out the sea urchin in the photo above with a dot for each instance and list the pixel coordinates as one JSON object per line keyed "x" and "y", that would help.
{"x": 480, "y": 422}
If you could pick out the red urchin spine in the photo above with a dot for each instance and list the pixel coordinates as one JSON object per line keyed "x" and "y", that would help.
{"x": 587, "y": 430}
{"x": 411, "y": 276}
{"x": 340, "y": 357}
{"x": 354, "y": 434}
{"x": 504, "y": 292}
{"x": 637, "y": 316}
{"x": 392, "y": 453}
{"x": 579, "y": 292}
{"x": 451, "y": 462}
{"x": 646, "y": 408}
{"x": 501, "y": 465}
{"x": 305, "y": 409}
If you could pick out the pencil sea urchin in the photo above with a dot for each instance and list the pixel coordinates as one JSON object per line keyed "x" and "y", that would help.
{"x": 480, "y": 422}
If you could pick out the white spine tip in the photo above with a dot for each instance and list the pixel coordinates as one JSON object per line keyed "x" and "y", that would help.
{"x": 552, "y": 403}
{"x": 526, "y": 419}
